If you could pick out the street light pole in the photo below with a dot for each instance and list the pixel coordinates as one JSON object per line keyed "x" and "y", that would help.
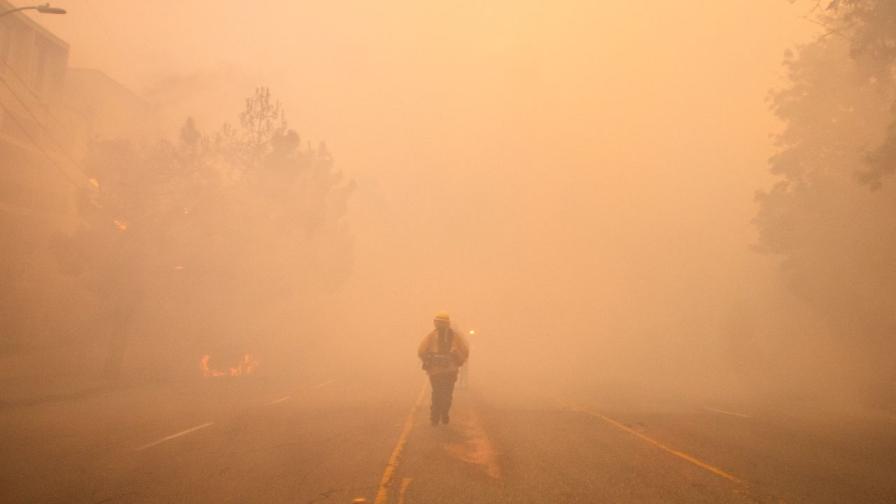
{"x": 42, "y": 8}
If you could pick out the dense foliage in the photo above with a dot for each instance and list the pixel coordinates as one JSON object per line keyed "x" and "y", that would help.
{"x": 210, "y": 232}
{"x": 831, "y": 215}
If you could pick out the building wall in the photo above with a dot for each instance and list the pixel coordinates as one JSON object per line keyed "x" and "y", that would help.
{"x": 49, "y": 115}
{"x": 33, "y": 65}
{"x": 38, "y": 183}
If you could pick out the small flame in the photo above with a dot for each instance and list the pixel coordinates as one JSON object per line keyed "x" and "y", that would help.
{"x": 120, "y": 224}
{"x": 245, "y": 366}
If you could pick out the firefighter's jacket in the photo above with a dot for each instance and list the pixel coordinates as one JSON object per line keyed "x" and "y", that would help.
{"x": 442, "y": 355}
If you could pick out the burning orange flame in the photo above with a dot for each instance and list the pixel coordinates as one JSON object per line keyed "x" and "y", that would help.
{"x": 245, "y": 366}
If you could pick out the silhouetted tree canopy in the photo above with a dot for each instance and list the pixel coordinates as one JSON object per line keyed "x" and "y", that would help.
{"x": 831, "y": 215}
{"x": 240, "y": 223}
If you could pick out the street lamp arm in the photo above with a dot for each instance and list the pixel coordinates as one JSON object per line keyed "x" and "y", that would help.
{"x": 18, "y": 9}
{"x": 43, "y": 9}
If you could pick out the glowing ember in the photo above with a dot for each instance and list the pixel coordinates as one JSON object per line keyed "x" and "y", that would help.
{"x": 245, "y": 366}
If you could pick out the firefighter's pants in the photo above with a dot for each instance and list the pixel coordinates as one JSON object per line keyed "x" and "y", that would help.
{"x": 442, "y": 390}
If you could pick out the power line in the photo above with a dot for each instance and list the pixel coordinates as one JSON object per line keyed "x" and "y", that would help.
{"x": 46, "y": 154}
{"x": 24, "y": 105}
{"x": 19, "y": 78}
{"x": 31, "y": 91}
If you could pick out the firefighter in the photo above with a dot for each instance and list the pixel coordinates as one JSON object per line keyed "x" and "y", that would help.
{"x": 443, "y": 352}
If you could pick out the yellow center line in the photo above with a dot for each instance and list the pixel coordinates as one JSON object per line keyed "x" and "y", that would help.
{"x": 680, "y": 454}
{"x": 382, "y": 494}
{"x": 405, "y": 483}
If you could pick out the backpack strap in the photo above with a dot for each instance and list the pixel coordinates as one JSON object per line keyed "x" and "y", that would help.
{"x": 448, "y": 341}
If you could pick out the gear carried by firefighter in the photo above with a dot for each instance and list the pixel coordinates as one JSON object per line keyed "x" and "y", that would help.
{"x": 443, "y": 351}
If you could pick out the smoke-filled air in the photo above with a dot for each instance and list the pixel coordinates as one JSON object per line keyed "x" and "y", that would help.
{"x": 425, "y": 252}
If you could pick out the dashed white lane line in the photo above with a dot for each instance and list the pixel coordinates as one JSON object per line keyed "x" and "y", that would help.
{"x": 310, "y": 387}
{"x": 176, "y": 435}
{"x": 207, "y": 424}
{"x": 322, "y": 384}
{"x": 278, "y": 401}
{"x": 724, "y": 412}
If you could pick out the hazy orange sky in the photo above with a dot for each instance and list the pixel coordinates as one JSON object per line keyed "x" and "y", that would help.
{"x": 566, "y": 158}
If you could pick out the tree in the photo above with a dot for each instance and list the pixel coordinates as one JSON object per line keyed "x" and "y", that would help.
{"x": 868, "y": 29}
{"x": 831, "y": 215}
{"x": 225, "y": 228}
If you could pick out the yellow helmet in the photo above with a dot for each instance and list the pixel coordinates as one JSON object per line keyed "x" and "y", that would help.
{"x": 442, "y": 316}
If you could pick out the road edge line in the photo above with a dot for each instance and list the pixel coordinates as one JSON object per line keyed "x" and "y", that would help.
{"x": 680, "y": 454}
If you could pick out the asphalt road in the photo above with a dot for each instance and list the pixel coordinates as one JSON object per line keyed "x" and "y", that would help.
{"x": 330, "y": 441}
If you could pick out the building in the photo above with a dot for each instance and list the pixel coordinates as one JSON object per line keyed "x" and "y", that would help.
{"x": 37, "y": 183}
{"x": 36, "y": 179}
{"x": 30, "y": 56}
{"x": 49, "y": 114}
